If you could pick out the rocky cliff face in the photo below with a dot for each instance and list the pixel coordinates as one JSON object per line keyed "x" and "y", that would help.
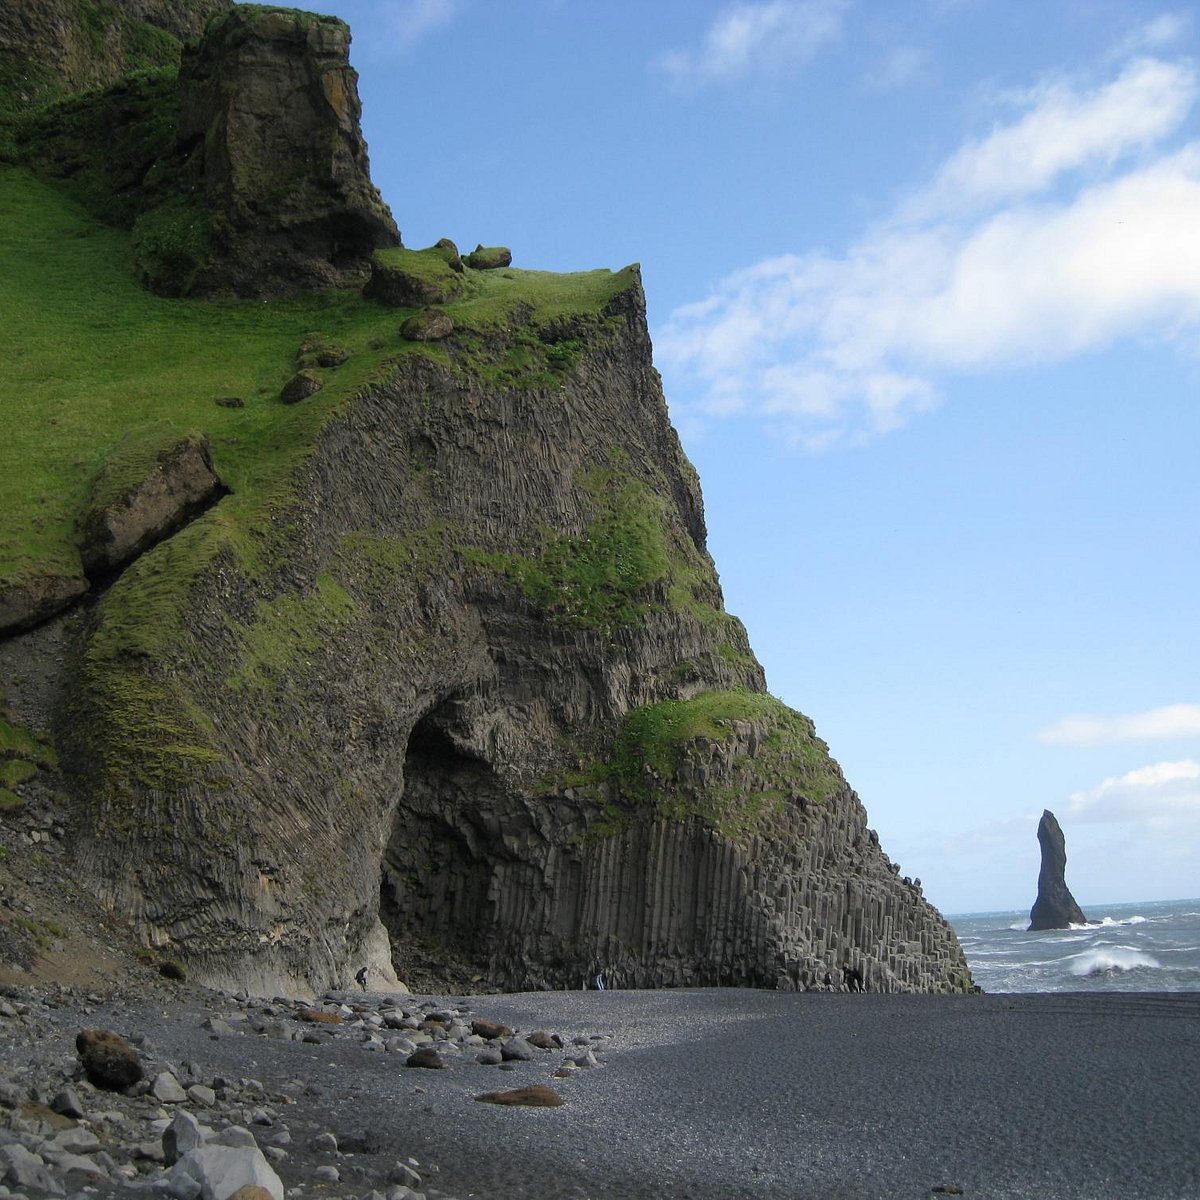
{"x": 1055, "y": 907}
{"x": 56, "y": 47}
{"x": 270, "y": 126}
{"x": 445, "y": 678}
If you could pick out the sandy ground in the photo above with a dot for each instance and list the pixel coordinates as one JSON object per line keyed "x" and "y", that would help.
{"x": 735, "y": 1093}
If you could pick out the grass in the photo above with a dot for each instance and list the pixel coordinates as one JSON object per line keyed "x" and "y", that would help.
{"x": 654, "y": 741}
{"x": 99, "y": 373}
{"x": 601, "y": 578}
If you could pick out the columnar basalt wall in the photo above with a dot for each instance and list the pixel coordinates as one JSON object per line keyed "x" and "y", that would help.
{"x": 447, "y": 738}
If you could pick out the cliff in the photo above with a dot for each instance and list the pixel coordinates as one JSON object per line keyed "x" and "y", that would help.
{"x": 431, "y": 666}
{"x": 1055, "y": 907}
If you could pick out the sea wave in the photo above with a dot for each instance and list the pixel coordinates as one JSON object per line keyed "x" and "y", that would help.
{"x": 1108, "y": 960}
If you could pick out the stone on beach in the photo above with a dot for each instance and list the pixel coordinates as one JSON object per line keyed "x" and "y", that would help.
{"x": 536, "y": 1096}
{"x": 109, "y": 1061}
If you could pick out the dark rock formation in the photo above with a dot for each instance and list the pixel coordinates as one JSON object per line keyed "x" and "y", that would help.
{"x": 141, "y": 496}
{"x": 461, "y": 688}
{"x": 270, "y": 126}
{"x": 489, "y": 693}
{"x": 56, "y": 47}
{"x": 1055, "y": 907}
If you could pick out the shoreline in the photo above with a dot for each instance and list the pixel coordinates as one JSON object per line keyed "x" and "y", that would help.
{"x": 726, "y": 1093}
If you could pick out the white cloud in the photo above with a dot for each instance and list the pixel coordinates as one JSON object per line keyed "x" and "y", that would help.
{"x": 1157, "y": 34}
{"x": 751, "y": 39}
{"x": 1171, "y": 721}
{"x": 408, "y": 21}
{"x": 1063, "y": 130}
{"x": 900, "y": 67}
{"x": 983, "y": 268}
{"x": 1165, "y": 793}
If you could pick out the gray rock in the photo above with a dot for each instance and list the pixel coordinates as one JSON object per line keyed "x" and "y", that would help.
{"x": 204, "y": 1096}
{"x": 402, "y": 1174}
{"x": 489, "y": 1057}
{"x": 67, "y": 1103}
{"x": 517, "y": 1050}
{"x": 21, "y": 1168}
{"x": 167, "y": 1089}
{"x": 221, "y": 1170}
{"x": 236, "y": 1136}
{"x": 324, "y": 1143}
{"x": 327, "y": 1174}
{"x": 183, "y": 1135}
{"x": 77, "y": 1140}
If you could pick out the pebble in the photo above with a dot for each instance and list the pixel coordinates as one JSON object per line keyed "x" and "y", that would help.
{"x": 183, "y": 1132}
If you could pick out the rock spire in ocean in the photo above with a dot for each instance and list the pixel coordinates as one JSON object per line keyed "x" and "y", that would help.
{"x": 1055, "y": 907}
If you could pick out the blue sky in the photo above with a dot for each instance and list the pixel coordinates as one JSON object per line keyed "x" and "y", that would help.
{"x": 924, "y": 284}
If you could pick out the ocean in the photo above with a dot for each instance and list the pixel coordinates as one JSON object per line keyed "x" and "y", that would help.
{"x": 1152, "y": 947}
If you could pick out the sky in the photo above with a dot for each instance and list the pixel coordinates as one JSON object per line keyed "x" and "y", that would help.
{"x": 923, "y": 279}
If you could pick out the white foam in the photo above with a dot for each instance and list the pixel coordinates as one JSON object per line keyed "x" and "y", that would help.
{"x": 1108, "y": 960}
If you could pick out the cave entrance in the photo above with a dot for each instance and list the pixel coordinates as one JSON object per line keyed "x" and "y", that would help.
{"x": 437, "y": 895}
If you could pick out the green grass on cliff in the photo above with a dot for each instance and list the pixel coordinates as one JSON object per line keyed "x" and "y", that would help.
{"x": 601, "y": 578}
{"x": 656, "y": 740}
{"x": 95, "y": 364}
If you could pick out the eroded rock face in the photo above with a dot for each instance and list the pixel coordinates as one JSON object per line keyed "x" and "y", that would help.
{"x": 270, "y": 124}
{"x": 1055, "y": 907}
{"x": 406, "y": 717}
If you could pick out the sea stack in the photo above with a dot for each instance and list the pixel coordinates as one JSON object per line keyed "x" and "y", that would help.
{"x": 1055, "y": 907}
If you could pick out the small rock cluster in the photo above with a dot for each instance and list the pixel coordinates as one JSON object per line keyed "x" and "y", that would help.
{"x": 115, "y": 1116}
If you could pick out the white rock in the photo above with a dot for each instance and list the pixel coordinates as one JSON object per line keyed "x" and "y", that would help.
{"x": 221, "y": 1170}
{"x": 168, "y": 1089}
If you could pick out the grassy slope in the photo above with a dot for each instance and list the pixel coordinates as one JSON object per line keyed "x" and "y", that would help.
{"x": 92, "y": 358}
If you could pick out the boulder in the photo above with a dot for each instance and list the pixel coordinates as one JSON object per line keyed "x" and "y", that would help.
{"x": 1055, "y": 907}
{"x": 270, "y": 127}
{"x": 25, "y": 603}
{"x": 222, "y": 1171}
{"x": 142, "y": 493}
{"x": 429, "y": 325}
{"x": 539, "y": 1095}
{"x": 488, "y": 258}
{"x": 301, "y": 385}
{"x": 109, "y": 1061}
{"x": 413, "y": 278}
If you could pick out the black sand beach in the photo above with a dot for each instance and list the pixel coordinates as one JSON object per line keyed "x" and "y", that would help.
{"x": 736, "y": 1093}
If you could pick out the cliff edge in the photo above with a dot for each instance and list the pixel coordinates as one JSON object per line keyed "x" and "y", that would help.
{"x": 436, "y": 673}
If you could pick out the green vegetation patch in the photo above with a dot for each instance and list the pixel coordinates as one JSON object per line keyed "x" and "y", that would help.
{"x": 290, "y": 630}
{"x": 656, "y": 740}
{"x": 413, "y": 278}
{"x": 111, "y": 149}
{"x": 599, "y": 579}
{"x": 22, "y": 754}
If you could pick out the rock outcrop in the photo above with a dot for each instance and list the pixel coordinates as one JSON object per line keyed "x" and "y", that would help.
{"x": 142, "y": 495}
{"x": 270, "y": 125}
{"x": 1055, "y": 907}
{"x": 490, "y": 693}
{"x": 448, "y": 678}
